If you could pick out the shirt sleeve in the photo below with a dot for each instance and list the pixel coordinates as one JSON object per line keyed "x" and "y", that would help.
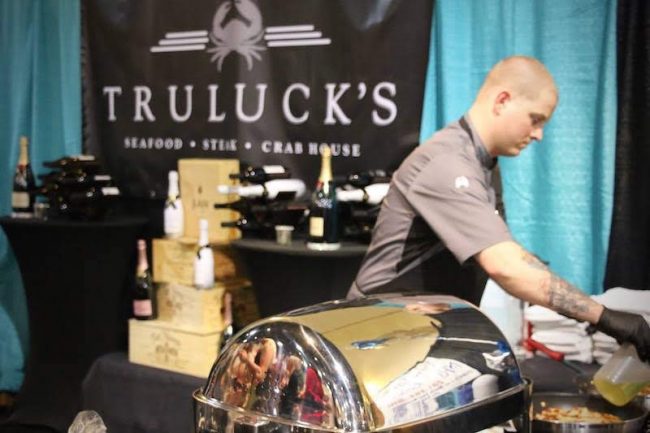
{"x": 453, "y": 198}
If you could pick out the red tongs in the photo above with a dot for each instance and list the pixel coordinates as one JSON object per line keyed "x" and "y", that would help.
{"x": 534, "y": 346}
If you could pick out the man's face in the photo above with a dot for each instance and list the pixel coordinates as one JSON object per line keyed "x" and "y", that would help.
{"x": 523, "y": 121}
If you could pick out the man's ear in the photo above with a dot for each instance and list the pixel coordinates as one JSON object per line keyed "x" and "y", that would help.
{"x": 501, "y": 100}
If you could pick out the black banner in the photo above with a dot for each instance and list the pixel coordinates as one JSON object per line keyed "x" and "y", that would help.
{"x": 267, "y": 82}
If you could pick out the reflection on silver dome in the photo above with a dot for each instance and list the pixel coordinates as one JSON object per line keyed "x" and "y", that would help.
{"x": 387, "y": 362}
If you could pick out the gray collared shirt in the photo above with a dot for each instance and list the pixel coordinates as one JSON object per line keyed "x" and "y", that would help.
{"x": 440, "y": 206}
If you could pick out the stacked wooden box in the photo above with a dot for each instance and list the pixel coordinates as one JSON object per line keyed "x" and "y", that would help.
{"x": 186, "y": 335}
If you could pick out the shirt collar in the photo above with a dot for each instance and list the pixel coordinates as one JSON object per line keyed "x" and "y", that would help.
{"x": 486, "y": 159}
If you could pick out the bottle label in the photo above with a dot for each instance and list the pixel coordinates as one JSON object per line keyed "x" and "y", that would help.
{"x": 142, "y": 307}
{"x": 110, "y": 190}
{"x": 204, "y": 269}
{"x": 20, "y": 200}
{"x": 173, "y": 218}
{"x": 273, "y": 169}
{"x": 316, "y": 226}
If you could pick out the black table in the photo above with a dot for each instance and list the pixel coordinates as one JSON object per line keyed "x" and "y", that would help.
{"x": 132, "y": 398}
{"x": 77, "y": 277}
{"x": 286, "y": 277}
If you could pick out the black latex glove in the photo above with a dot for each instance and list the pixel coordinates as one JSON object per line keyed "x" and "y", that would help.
{"x": 627, "y": 328}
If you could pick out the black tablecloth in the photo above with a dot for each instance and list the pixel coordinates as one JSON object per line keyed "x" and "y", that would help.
{"x": 77, "y": 277}
{"x": 135, "y": 399}
{"x": 286, "y": 277}
{"x": 132, "y": 398}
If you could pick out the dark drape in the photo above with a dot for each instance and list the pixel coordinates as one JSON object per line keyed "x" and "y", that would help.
{"x": 628, "y": 263}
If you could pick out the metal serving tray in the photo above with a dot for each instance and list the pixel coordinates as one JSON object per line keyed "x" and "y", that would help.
{"x": 429, "y": 363}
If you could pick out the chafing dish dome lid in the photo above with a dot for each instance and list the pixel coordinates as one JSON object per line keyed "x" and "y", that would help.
{"x": 371, "y": 364}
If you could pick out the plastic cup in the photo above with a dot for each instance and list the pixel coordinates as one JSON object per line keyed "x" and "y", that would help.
{"x": 622, "y": 377}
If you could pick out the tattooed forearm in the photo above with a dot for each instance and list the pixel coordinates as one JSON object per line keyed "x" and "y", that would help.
{"x": 565, "y": 298}
{"x": 560, "y": 295}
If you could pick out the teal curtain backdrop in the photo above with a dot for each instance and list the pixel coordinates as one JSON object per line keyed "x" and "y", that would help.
{"x": 558, "y": 193}
{"x": 40, "y": 94}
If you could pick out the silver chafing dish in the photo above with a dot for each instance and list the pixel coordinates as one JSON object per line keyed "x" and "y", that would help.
{"x": 416, "y": 363}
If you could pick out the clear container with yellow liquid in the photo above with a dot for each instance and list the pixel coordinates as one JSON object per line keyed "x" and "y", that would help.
{"x": 623, "y": 376}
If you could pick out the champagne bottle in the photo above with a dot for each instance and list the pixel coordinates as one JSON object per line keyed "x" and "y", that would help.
{"x": 372, "y": 194}
{"x": 204, "y": 260}
{"x": 144, "y": 297}
{"x": 260, "y": 175}
{"x": 278, "y": 189}
{"x": 323, "y": 209}
{"x": 22, "y": 196}
{"x": 173, "y": 216}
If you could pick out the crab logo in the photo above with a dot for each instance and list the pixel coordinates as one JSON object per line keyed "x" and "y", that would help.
{"x": 236, "y": 26}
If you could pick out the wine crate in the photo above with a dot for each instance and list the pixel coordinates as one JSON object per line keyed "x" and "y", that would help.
{"x": 173, "y": 261}
{"x": 198, "y": 183}
{"x": 201, "y": 310}
{"x": 244, "y": 305}
{"x": 160, "y": 344}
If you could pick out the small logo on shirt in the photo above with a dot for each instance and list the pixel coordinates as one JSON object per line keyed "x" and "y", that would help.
{"x": 461, "y": 182}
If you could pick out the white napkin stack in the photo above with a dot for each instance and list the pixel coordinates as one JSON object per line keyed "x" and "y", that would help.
{"x": 619, "y": 298}
{"x": 560, "y": 333}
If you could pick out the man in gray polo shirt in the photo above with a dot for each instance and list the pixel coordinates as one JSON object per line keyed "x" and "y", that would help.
{"x": 438, "y": 228}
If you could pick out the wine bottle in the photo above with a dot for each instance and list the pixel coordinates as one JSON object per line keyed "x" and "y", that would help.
{"x": 323, "y": 209}
{"x": 365, "y": 178}
{"x": 173, "y": 215}
{"x": 278, "y": 189}
{"x": 22, "y": 195}
{"x": 228, "y": 328}
{"x": 87, "y": 162}
{"x": 93, "y": 194}
{"x": 259, "y": 175}
{"x": 144, "y": 297}
{"x": 245, "y": 206}
{"x": 77, "y": 178}
{"x": 372, "y": 194}
{"x": 204, "y": 260}
{"x": 246, "y": 225}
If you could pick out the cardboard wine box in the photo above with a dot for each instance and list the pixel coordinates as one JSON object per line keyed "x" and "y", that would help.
{"x": 173, "y": 261}
{"x": 198, "y": 184}
{"x": 244, "y": 305}
{"x": 160, "y": 344}
{"x": 200, "y": 310}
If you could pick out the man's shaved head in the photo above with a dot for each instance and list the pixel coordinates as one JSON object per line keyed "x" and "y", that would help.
{"x": 514, "y": 104}
{"x": 521, "y": 75}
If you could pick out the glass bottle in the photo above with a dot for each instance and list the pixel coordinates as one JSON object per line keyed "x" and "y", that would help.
{"x": 173, "y": 216}
{"x": 277, "y": 189}
{"x": 262, "y": 174}
{"x": 22, "y": 195}
{"x": 144, "y": 297}
{"x": 204, "y": 259}
{"x": 323, "y": 209}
